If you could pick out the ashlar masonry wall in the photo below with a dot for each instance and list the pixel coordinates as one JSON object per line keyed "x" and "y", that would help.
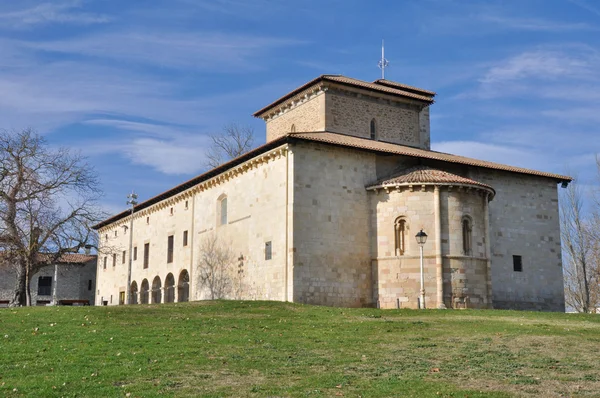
{"x": 524, "y": 222}
{"x": 256, "y": 214}
{"x": 350, "y": 113}
{"x": 331, "y": 225}
{"x": 396, "y": 278}
{"x": 305, "y": 116}
{"x": 151, "y": 227}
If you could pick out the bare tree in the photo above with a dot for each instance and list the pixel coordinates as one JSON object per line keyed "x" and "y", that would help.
{"x": 216, "y": 268}
{"x": 580, "y": 250}
{"x": 47, "y": 205}
{"x": 233, "y": 141}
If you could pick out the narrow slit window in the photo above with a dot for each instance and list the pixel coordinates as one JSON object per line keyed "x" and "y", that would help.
{"x": 268, "y": 250}
{"x": 373, "y": 129}
{"x": 170, "y": 249}
{"x": 467, "y": 236}
{"x": 146, "y": 254}
{"x": 185, "y": 238}
{"x": 400, "y": 232}
{"x": 223, "y": 211}
{"x": 124, "y": 255}
{"x": 135, "y": 253}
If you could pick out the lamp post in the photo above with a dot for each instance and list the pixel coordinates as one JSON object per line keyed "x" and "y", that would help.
{"x": 421, "y": 239}
{"x": 131, "y": 200}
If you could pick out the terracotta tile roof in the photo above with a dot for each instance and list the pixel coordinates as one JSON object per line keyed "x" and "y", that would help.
{"x": 334, "y": 139}
{"x": 427, "y": 175}
{"x": 380, "y": 146}
{"x": 69, "y": 258}
{"x": 388, "y": 88}
{"x": 402, "y": 86}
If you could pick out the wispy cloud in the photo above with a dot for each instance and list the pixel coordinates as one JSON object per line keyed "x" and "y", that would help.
{"x": 538, "y": 64}
{"x": 197, "y": 50}
{"x": 551, "y": 72}
{"x": 66, "y": 12}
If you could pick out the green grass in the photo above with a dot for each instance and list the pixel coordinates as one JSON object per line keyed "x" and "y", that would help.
{"x": 268, "y": 349}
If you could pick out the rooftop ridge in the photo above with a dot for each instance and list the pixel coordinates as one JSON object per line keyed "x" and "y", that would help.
{"x": 427, "y": 175}
{"x": 409, "y": 91}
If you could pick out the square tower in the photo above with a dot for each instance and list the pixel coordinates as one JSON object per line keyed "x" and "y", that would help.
{"x": 382, "y": 110}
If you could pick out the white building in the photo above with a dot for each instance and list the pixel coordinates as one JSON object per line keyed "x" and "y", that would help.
{"x": 326, "y": 212}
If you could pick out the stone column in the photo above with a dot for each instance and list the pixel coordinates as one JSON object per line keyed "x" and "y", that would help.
{"x": 439, "y": 267}
{"x": 488, "y": 251}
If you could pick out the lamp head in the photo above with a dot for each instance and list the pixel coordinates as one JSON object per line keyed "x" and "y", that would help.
{"x": 421, "y": 237}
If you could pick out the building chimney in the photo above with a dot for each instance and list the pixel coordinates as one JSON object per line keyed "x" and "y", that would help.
{"x": 87, "y": 249}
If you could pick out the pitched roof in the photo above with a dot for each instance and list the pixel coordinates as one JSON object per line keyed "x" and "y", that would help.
{"x": 427, "y": 175}
{"x": 333, "y": 139}
{"x": 406, "y": 87}
{"x": 382, "y": 86}
{"x": 380, "y": 146}
{"x": 69, "y": 258}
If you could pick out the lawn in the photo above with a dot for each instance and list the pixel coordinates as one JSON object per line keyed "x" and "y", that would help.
{"x": 268, "y": 349}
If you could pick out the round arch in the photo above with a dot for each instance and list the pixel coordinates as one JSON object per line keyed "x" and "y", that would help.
{"x": 170, "y": 288}
{"x": 183, "y": 287}
{"x": 145, "y": 292}
{"x": 133, "y": 293}
{"x": 156, "y": 290}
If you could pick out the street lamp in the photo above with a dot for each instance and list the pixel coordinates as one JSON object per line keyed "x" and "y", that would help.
{"x": 131, "y": 200}
{"x": 421, "y": 239}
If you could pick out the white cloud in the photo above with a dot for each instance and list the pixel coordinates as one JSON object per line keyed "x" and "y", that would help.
{"x": 567, "y": 72}
{"x": 185, "y": 156}
{"x": 538, "y": 64}
{"x": 193, "y": 50}
{"x": 46, "y": 13}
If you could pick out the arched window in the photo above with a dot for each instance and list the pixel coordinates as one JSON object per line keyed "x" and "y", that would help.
{"x": 373, "y": 129}
{"x": 400, "y": 231}
{"x": 170, "y": 289}
{"x": 144, "y": 291}
{"x": 222, "y": 209}
{"x": 293, "y": 128}
{"x": 133, "y": 293}
{"x": 467, "y": 228}
{"x": 156, "y": 290}
{"x": 183, "y": 287}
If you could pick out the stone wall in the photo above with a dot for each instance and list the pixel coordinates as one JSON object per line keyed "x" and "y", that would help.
{"x": 331, "y": 225}
{"x": 73, "y": 283}
{"x": 350, "y": 113}
{"x": 257, "y": 213}
{"x": 397, "y": 277}
{"x": 256, "y": 209}
{"x": 306, "y": 116}
{"x": 524, "y": 221}
{"x": 152, "y": 228}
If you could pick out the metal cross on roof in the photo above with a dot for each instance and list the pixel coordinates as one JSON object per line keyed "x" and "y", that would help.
{"x": 383, "y": 63}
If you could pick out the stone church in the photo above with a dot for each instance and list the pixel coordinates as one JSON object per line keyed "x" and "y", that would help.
{"x": 326, "y": 212}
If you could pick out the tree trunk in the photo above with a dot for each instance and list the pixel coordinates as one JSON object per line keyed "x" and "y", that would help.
{"x": 19, "y": 298}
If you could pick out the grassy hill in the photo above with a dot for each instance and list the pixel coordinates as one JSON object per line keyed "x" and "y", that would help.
{"x": 267, "y": 349}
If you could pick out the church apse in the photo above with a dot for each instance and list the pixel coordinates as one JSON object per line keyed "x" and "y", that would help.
{"x": 456, "y": 260}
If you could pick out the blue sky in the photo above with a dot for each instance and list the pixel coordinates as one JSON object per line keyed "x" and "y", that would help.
{"x": 137, "y": 86}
